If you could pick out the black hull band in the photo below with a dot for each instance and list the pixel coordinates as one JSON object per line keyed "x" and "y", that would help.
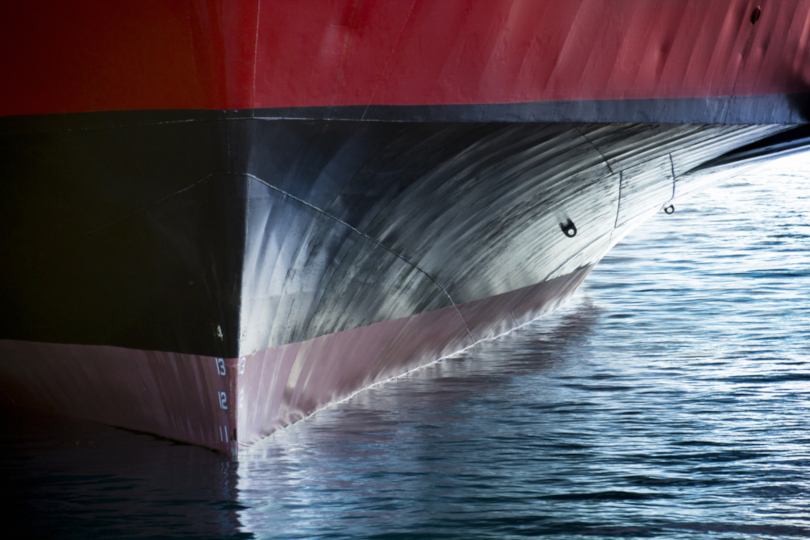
{"x": 221, "y": 234}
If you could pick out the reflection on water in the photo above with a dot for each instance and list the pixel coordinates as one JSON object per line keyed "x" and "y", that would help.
{"x": 667, "y": 400}
{"x": 64, "y": 478}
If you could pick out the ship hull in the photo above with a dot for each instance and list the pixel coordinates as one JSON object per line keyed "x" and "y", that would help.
{"x": 226, "y": 404}
{"x": 219, "y": 217}
{"x": 211, "y": 277}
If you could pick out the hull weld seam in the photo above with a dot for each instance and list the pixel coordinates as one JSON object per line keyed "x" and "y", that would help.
{"x": 619, "y": 200}
{"x": 142, "y": 210}
{"x": 385, "y": 68}
{"x": 361, "y": 233}
{"x": 594, "y": 147}
{"x": 672, "y": 166}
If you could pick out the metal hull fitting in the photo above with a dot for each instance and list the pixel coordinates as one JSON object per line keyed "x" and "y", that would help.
{"x": 215, "y": 232}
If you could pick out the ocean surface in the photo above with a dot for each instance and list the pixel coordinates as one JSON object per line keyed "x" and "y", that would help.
{"x": 669, "y": 399}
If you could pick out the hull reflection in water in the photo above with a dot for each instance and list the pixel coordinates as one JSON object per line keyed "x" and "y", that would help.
{"x": 668, "y": 399}
{"x": 66, "y": 478}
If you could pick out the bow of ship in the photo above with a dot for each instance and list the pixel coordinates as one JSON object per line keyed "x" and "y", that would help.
{"x": 219, "y": 217}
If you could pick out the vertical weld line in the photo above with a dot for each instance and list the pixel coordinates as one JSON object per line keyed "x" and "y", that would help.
{"x": 619, "y": 201}
{"x": 387, "y": 61}
{"x": 594, "y": 147}
{"x": 239, "y": 326}
{"x": 672, "y": 166}
{"x": 255, "y": 57}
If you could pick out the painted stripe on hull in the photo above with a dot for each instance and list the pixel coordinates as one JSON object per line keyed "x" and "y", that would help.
{"x": 792, "y": 108}
{"x": 767, "y": 109}
{"x": 95, "y": 55}
{"x": 168, "y": 394}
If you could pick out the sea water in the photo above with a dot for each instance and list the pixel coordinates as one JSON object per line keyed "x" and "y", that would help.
{"x": 669, "y": 399}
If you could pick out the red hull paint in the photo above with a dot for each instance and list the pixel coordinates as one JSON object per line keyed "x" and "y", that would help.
{"x": 95, "y": 55}
{"x": 170, "y": 394}
{"x": 225, "y": 404}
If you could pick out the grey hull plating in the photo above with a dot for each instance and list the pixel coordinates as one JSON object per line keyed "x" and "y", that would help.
{"x": 328, "y": 255}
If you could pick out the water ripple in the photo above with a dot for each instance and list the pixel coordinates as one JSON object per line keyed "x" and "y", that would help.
{"x": 667, "y": 401}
